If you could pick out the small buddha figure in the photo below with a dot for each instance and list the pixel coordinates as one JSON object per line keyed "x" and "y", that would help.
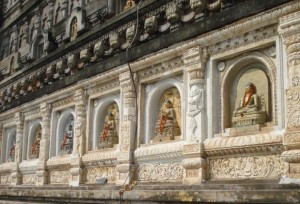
{"x": 11, "y": 154}
{"x": 249, "y": 110}
{"x": 74, "y": 28}
{"x": 109, "y": 135}
{"x": 167, "y": 125}
{"x": 129, "y": 4}
{"x": 35, "y": 148}
{"x": 67, "y": 142}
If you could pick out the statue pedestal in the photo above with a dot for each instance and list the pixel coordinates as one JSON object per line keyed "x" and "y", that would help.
{"x": 159, "y": 139}
{"x": 235, "y": 131}
{"x": 247, "y": 119}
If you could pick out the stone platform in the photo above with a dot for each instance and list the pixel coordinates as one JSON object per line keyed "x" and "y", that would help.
{"x": 210, "y": 192}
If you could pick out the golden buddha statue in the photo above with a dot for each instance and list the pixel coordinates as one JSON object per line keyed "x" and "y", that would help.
{"x": 129, "y": 4}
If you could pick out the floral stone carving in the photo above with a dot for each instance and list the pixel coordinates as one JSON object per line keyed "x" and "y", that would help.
{"x": 269, "y": 166}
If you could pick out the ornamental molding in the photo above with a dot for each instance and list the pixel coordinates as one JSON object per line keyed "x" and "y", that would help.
{"x": 155, "y": 71}
{"x": 100, "y": 158}
{"x": 7, "y": 167}
{"x": 28, "y": 166}
{"x": 259, "y": 167}
{"x": 32, "y": 114}
{"x": 248, "y": 40}
{"x": 159, "y": 151}
{"x": 293, "y": 107}
{"x": 291, "y": 140}
{"x": 10, "y": 122}
{"x": 158, "y": 172}
{"x": 59, "y": 162}
{"x": 104, "y": 88}
{"x": 63, "y": 103}
{"x": 291, "y": 156}
{"x": 259, "y": 143}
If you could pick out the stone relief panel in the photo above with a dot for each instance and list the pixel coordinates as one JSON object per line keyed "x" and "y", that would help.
{"x": 293, "y": 108}
{"x": 269, "y": 166}
{"x": 5, "y": 179}
{"x": 160, "y": 172}
{"x": 59, "y": 177}
{"x": 92, "y": 174}
{"x": 29, "y": 179}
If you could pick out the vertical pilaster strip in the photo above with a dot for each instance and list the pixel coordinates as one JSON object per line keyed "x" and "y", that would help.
{"x": 15, "y": 174}
{"x": 76, "y": 170}
{"x": 128, "y": 130}
{"x": 289, "y": 29}
{"x": 196, "y": 132}
{"x": 42, "y": 174}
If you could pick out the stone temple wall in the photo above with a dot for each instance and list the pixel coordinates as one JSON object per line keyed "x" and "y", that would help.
{"x": 219, "y": 107}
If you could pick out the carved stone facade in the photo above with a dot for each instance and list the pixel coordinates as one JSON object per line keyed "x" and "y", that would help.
{"x": 176, "y": 99}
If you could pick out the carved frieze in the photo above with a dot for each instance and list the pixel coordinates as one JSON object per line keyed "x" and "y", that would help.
{"x": 161, "y": 151}
{"x": 293, "y": 108}
{"x": 29, "y": 179}
{"x": 160, "y": 172}
{"x": 5, "y": 179}
{"x": 268, "y": 166}
{"x": 59, "y": 177}
{"x": 67, "y": 101}
{"x": 92, "y": 174}
{"x": 243, "y": 144}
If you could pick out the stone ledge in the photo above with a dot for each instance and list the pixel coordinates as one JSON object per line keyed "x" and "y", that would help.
{"x": 206, "y": 193}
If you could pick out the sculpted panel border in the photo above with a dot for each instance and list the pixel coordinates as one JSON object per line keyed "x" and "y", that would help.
{"x": 268, "y": 166}
{"x": 160, "y": 172}
{"x": 92, "y": 174}
{"x": 259, "y": 143}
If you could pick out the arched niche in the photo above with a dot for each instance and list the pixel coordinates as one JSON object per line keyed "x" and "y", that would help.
{"x": 74, "y": 27}
{"x": 154, "y": 101}
{"x": 34, "y": 136}
{"x": 9, "y": 140}
{"x": 256, "y": 68}
{"x": 59, "y": 123}
{"x": 101, "y": 108}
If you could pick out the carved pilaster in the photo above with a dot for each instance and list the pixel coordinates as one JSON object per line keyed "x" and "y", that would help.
{"x": 194, "y": 164}
{"x": 289, "y": 28}
{"x": 15, "y": 174}
{"x": 195, "y": 61}
{"x": 76, "y": 170}
{"x": 42, "y": 173}
{"x": 128, "y": 129}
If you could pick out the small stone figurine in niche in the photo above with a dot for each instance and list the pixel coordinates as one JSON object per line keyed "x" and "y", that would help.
{"x": 35, "y": 148}
{"x": 11, "y": 153}
{"x": 166, "y": 127}
{"x": 129, "y": 4}
{"x": 66, "y": 145}
{"x": 249, "y": 110}
{"x": 109, "y": 134}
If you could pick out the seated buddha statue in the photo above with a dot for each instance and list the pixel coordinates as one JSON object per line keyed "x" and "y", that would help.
{"x": 249, "y": 110}
{"x": 67, "y": 142}
{"x": 109, "y": 135}
{"x": 167, "y": 125}
{"x": 35, "y": 148}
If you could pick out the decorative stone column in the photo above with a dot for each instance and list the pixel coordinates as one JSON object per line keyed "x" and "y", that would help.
{"x": 289, "y": 28}
{"x": 15, "y": 174}
{"x": 195, "y": 60}
{"x": 64, "y": 9}
{"x": 42, "y": 174}
{"x": 76, "y": 170}
{"x": 125, "y": 168}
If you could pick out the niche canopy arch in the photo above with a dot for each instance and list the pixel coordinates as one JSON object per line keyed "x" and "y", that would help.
{"x": 258, "y": 70}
